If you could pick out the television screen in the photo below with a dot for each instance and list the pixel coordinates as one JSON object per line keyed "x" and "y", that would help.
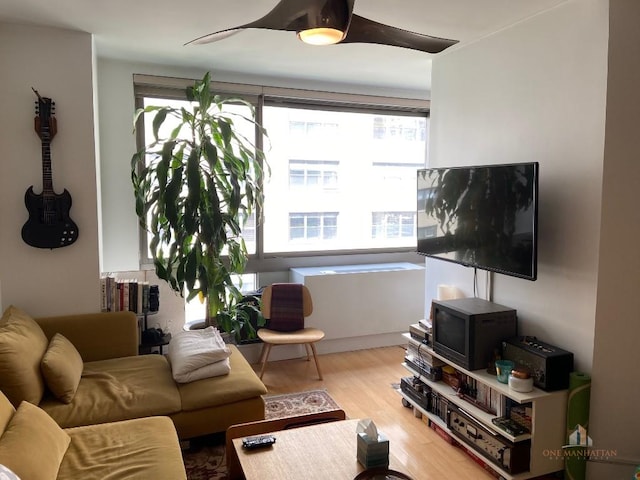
{"x": 480, "y": 216}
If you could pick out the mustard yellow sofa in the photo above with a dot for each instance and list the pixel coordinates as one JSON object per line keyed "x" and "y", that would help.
{"x": 34, "y": 447}
{"x": 85, "y": 370}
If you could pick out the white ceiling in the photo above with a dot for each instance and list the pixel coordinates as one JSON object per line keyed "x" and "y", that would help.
{"x": 155, "y": 31}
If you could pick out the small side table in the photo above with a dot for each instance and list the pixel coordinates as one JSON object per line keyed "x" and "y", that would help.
{"x": 147, "y": 347}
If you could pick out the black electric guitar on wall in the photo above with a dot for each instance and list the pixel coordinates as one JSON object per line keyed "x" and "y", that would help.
{"x": 49, "y": 224}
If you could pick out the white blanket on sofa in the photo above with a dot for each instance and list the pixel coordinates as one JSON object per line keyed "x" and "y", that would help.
{"x": 198, "y": 354}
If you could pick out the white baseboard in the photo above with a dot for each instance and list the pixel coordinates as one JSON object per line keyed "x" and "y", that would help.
{"x": 285, "y": 352}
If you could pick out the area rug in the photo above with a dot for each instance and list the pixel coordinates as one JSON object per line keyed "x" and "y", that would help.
{"x": 294, "y": 404}
{"x": 204, "y": 458}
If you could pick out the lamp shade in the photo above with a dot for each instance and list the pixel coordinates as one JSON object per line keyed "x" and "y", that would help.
{"x": 324, "y": 22}
{"x": 321, "y": 36}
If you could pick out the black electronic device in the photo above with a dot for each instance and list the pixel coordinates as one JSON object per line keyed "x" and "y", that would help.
{"x": 549, "y": 365}
{"x": 152, "y": 336}
{"x": 513, "y": 457}
{"x": 484, "y": 217}
{"x": 418, "y": 391}
{"x": 154, "y": 298}
{"x": 509, "y": 425}
{"x": 259, "y": 441}
{"x": 467, "y": 331}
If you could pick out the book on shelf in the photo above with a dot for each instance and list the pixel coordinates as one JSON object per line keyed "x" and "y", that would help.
{"x": 119, "y": 294}
{"x": 482, "y": 395}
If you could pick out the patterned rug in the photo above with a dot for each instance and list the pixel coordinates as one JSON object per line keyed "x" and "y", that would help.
{"x": 204, "y": 459}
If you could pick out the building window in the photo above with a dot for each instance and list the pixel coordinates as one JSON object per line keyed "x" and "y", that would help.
{"x": 313, "y": 174}
{"x": 313, "y": 226}
{"x": 393, "y": 225}
{"x": 405, "y": 128}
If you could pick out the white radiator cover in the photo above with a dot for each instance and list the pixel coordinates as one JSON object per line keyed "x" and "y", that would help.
{"x": 364, "y": 300}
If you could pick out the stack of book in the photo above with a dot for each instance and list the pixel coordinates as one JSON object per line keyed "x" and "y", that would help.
{"x": 418, "y": 358}
{"x": 421, "y": 331}
{"x": 124, "y": 295}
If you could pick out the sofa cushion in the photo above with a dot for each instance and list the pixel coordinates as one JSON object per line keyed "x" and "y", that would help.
{"x": 6, "y": 412}
{"x": 139, "y": 449}
{"x": 241, "y": 383}
{"x": 22, "y": 345}
{"x": 118, "y": 389}
{"x": 62, "y": 368}
{"x": 32, "y": 434}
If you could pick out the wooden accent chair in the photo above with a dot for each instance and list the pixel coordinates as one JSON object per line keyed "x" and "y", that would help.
{"x": 234, "y": 470}
{"x": 286, "y": 305}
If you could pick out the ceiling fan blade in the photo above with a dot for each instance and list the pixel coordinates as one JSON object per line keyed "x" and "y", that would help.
{"x": 214, "y": 37}
{"x": 293, "y": 16}
{"x": 363, "y": 30}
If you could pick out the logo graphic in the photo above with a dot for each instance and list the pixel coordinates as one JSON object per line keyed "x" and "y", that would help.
{"x": 580, "y": 448}
{"x": 579, "y": 438}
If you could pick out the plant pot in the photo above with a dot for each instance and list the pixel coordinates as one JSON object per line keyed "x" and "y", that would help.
{"x": 228, "y": 338}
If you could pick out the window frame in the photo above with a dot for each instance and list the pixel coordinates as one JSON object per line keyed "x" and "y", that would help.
{"x": 148, "y": 86}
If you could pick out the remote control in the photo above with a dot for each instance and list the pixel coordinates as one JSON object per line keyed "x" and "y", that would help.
{"x": 260, "y": 441}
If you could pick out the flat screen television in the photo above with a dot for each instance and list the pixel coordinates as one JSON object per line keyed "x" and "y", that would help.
{"x": 484, "y": 217}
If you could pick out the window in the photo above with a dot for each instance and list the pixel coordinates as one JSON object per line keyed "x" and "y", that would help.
{"x": 313, "y": 226}
{"x": 352, "y": 170}
{"x": 393, "y": 225}
{"x": 342, "y": 173}
{"x": 313, "y": 173}
{"x": 385, "y": 128}
{"x": 195, "y": 311}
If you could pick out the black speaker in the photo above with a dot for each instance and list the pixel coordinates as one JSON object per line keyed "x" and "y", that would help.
{"x": 154, "y": 298}
{"x": 550, "y": 366}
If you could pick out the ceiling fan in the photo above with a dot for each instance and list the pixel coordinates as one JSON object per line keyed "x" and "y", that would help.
{"x": 327, "y": 22}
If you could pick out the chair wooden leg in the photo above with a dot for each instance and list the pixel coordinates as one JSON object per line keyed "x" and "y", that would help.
{"x": 266, "y": 357}
{"x": 315, "y": 357}
{"x": 308, "y": 351}
{"x": 263, "y": 351}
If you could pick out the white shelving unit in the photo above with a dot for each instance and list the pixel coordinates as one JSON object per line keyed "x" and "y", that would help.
{"x": 548, "y": 422}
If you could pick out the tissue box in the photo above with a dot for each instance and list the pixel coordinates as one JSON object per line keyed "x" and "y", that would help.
{"x": 373, "y": 452}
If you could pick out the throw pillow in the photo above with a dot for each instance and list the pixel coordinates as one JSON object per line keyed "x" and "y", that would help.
{"x": 32, "y": 434}
{"x": 62, "y": 368}
{"x": 6, "y": 412}
{"x": 22, "y": 345}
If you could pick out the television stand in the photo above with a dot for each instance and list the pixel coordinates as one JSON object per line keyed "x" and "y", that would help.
{"x": 465, "y": 423}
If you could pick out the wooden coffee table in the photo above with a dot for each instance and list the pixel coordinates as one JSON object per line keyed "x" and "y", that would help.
{"x": 317, "y": 452}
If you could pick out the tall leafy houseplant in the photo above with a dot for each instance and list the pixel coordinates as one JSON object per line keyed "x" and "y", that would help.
{"x": 195, "y": 185}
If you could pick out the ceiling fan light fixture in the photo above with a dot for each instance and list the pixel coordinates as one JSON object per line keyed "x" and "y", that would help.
{"x": 321, "y": 36}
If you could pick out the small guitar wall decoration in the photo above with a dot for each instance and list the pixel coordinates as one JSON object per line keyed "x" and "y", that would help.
{"x": 49, "y": 224}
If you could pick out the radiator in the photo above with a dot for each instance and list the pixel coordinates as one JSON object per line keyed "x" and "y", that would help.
{"x": 361, "y": 300}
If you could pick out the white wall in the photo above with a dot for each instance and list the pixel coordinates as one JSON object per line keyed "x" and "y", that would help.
{"x": 562, "y": 89}
{"x": 616, "y": 381}
{"x": 120, "y": 231}
{"x": 58, "y": 63}
{"x": 535, "y": 92}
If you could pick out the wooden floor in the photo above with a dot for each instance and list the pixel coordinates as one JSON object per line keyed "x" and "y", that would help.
{"x": 361, "y": 383}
